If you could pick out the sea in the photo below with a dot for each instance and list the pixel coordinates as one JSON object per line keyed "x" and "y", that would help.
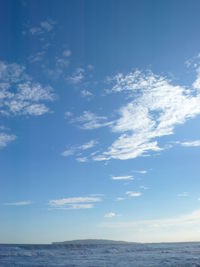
{"x": 101, "y": 255}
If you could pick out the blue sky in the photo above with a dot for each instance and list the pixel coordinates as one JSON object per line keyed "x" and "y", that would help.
{"x": 99, "y": 120}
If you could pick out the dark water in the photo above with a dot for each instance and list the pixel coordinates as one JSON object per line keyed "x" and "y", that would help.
{"x": 176, "y": 254}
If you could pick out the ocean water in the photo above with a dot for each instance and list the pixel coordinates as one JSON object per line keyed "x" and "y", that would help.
{"x": 165, "y": 254}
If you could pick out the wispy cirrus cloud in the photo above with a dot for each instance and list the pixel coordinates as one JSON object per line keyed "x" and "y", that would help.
{"x": 90, "y": 121}
{"x": 82, "y": 159}
{"x": 76, "y": 149}
{"x": 120, "y": 198}
{"x": 194, "y": 143}
{"x": 68, "y": 152}
{"x": 133, "y": 194}
{"x": 19, "y": 203}
{"x": 79, "y": 206}
{"x": 74, "y": 202}
{"x": 155, "y": 108}
{"x": 88, "y": 145}
{"x": 37, "y": 57}
{"x": 144, "y": 187}
{"x": 124, "y": 177}
{"x": 141, "y": 171}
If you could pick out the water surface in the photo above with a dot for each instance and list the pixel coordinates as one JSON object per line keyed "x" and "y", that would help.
{"x": 100, "y": 255}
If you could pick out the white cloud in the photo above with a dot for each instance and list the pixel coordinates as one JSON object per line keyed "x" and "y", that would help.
{"x": 120, "y": 198}
{"x": 127, "y": 147}
{"x": 195, "y": 143}
{"x": 193, "y": 62}
{"x": 60, "y": 63}
{"x": 5, "y": 139}
{"x": 71, "y": 200}
{"x": 11, "y": 73}
{"x": 67, "y": 53}
{"x": 155, "y": 108}
{"x": 68, "y": 114}
{"x": 37, "y": 57}
{"x": 96, "y": 195}
{"x": 44, "y": 27}
{"x": 88, "y": 145}
{"x": 47, "y": 25}
{"x": 110, "y": 215}
{"x": 76, "y": 207}
{"x": 59, "y": 69}
{"x": 73, "y": 150}
{"x": 133, "y": 194}
{"x": 196, "y": 83}
{"x": 19, "y": 94}
{"x": 144, "y": 187}
{"x": 68, "y": 152}
{"x": 77, "y": 77}
{"x": 34, "y": 92}
{"x": 86, "y": 93}
{"x": 82, "y": 206}
{"x": 90, "y": 67}
{"x": 63, "y": 61}
{"x": 141, "y": 172}
{"x": 125, "y": 177}
{"x": 82, "y": 159}
{"x": 19, "y": 203}
{"x": 74, "y": 202}
{"x": 36, "y": 109}
{"x": 90, "y": 121}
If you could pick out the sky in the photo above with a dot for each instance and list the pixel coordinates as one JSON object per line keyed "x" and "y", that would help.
{"x": 99, "y": 120}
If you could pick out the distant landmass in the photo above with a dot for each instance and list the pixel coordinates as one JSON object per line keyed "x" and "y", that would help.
{"x": 92, "y": 242}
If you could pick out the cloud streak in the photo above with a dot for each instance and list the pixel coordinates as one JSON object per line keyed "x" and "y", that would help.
{"x": 76, "y": 149}
{"x": 133, "y": 194}
{"x": 195, "y": 143}
{"x": 19, "y": 203}
{"x": 125, "y": 177}
{"x": 91, "y": 121}
{"x": 74, "y": 202}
